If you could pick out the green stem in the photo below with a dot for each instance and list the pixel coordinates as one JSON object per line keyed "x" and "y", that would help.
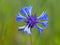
{"x": 31, "y": 39}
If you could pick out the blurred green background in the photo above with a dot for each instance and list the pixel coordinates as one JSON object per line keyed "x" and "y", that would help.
{"x": 9, "y": 34}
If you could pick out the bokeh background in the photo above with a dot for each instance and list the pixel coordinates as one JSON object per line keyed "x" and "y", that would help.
{"x": 9, "y": 34}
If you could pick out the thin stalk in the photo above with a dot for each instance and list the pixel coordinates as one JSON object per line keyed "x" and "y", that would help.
{"x": 31, "y": 39}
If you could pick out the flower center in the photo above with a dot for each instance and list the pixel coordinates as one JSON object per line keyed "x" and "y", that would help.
{"x": 31, "y": 20}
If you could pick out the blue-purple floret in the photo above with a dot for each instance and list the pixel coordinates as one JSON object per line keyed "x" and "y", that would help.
{"x": 31, "y": 20}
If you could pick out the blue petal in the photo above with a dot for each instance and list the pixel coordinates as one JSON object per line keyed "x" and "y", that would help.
{"x": 26, "y": 10}
{"x": 39, "y": 28}
{"x": 43, "y": 16}
{"x": 23, "y": 12}
{"x": 44, "y": 23}
{"x": 19, "y": 17}
{"x": 21, "y": 28}
{"x": 27, "y": 30}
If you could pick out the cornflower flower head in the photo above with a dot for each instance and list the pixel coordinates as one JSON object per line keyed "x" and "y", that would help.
{"x": 31, "y": 20}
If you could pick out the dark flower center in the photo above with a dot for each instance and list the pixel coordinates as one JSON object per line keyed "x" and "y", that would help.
{"x": 31, "y": 20}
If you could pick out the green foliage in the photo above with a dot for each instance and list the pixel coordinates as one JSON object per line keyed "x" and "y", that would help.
{"x": 9, "y": 34}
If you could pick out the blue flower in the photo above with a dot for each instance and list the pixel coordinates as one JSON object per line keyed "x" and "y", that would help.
{"x": 31, "y": 20}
